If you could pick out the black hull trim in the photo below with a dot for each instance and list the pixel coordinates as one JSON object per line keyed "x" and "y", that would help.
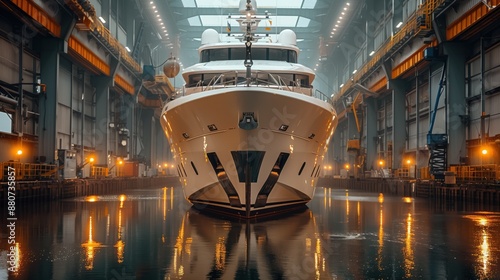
{"x": 291, "y": 207}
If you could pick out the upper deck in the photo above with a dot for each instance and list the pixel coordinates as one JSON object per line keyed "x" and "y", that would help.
{"x": 274, "y": 65}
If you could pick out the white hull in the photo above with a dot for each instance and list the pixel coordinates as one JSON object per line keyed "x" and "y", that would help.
{"x": 283, "y": 165}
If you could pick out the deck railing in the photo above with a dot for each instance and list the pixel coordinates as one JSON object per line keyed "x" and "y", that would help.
{"x": 233, "y": 79}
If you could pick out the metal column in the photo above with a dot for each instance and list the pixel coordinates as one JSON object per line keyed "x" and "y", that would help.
{"x": 399, "y": 133}
{"x": 49, "y": 68}
{"x": 371, "y": 133}
{"x": 455, "y": 97}
{"x": 102, "y": 144}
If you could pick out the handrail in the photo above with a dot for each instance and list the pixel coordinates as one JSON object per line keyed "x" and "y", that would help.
{"x": 89, "y": 18}
{"x": 420, "y": 21}
{"x": 278, "y": 80}
{"x": 238, "y": 79}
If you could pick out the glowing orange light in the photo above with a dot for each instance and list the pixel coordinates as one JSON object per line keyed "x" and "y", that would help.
{"x": 347, "y": 166}
{"x": 381, "y": 162}
{"x": 381, "y": 198}
{"x": 408, "y": 161}
{"x": 484, "y": 151}
{"x": 91, "y": 159}
{"x": 19, "y": 152}
{"x": 120, "y": 162}
{"x": 92, "y": 198}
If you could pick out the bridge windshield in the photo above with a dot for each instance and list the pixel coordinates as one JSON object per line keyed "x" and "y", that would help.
{"x": 257, "y": 54}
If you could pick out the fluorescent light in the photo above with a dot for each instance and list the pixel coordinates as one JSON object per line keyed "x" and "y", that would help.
{"x": 341, "y": 85}
{"x": 127, "y": 48}
{"x": 399, "y": 24}
{"x": 102, "y": 19}
{"x": 355, "y": 70}
{"x": 372, "y": 53}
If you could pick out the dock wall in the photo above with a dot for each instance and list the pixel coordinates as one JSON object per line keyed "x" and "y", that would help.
{"x": 51, "y": 190}
{"x": 486, "y": 194}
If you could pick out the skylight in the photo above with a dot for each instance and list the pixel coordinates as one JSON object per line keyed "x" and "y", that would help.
{"x": 222, "y": 20}
{"x": 194, "y": 21}
{"x": 265, "y": 4}
{"x": 303, "y": 22}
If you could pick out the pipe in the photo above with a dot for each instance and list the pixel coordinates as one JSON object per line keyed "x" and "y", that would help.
{"x": 8, "y": 100}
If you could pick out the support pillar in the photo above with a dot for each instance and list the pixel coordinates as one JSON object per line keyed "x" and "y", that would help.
{"x": 145, "y": 136}
{"x": 337, "y": 148}
{"x": 371, "y": 133}
{"x": 352, "y": 134}
{"x": 399, "y": 130}
{"x": 102, "y": 145}
{"x": 49, "y": 74}
{"x": 457, "y": 53}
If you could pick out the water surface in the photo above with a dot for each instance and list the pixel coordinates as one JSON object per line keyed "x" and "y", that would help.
{"x": 154, "y": 234}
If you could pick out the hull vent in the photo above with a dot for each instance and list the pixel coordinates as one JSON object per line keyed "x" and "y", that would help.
{"x": 234, "y": 199}
{"x": 271, "y": 180}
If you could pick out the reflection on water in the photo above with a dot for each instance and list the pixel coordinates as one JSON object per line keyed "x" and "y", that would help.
{"x": 274, "y": 249}
{"x": 154, "y": 234}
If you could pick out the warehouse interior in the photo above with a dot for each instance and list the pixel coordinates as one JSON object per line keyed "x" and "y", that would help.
{"x": 415, "y": 83}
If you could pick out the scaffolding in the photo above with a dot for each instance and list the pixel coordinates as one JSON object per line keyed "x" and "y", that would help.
{"x": 483, "y": 172}
{"x": 28, "y": 171}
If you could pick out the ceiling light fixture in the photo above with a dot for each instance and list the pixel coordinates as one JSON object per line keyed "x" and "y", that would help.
{"x": 399, "y": 24}
{"x": 372, "y": 53}
{"x": 102, "y": 19}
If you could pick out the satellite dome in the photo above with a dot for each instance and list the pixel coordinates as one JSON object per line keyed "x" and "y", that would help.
{"x": 210, "y": 36}
{"x": 287, "y": 37}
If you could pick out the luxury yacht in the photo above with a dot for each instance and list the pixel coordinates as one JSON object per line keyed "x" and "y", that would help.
{"x": 247, "y": 133}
